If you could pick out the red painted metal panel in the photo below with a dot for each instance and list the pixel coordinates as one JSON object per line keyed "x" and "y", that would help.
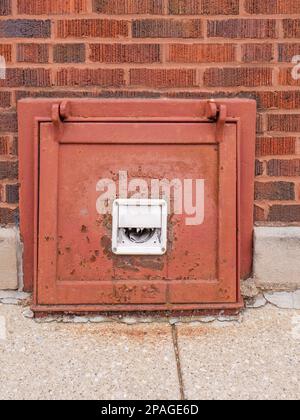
{"x": 74, "y": 267}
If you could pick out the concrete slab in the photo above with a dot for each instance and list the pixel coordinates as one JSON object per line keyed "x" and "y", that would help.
{"x": 256, "y": 359}
{"x": 284, "y": 300}
{"x": 277, "y": 257}
{"x": 85, "y": 361}
{"x": 8, "y": 259}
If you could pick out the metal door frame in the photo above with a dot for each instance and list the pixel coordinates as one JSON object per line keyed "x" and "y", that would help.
{"x": 33, "y": 112}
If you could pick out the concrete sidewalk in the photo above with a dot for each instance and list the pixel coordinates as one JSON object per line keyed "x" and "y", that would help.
{"x": 257, "y": 357}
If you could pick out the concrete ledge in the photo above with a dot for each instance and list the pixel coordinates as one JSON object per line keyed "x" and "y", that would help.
{"x": 277, "y": 258}
{"x": 9, "y": 245}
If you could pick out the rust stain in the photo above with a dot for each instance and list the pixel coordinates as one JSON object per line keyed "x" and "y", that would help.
{"x": 124, "y": 294}
{"x": 84, "y": 229}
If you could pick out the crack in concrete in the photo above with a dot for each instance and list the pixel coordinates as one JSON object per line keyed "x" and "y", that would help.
{"x": 178, "y": 362}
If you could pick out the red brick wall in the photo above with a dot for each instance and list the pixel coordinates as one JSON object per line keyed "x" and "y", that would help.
{"x": 153, "y": 48}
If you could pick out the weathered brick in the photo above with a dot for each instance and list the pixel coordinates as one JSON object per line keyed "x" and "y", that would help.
{"x": 284, "y": 213}
{"x": 278, "y": 99}
{"x": 69, "y": 53}
{"x": 101, "y": 93}
{"x": 8, "y": 216}
{"x": 287, "y": 51}
{"x": 14, "y": 147}
{"x": 35, "y": 77}
{"x": 204, "y": 7}
{"x": 284, "y": 122}
{"x": 25, "y": 28}
{"x": 167, "y": 28}
{"x": 259, "y": 168}
{"x": 6, "y": 52}
{"x": 8, "y": 122}
{"x": 94, "y": 28}
{"x": 163, "y": 78}
{"x": 271, "y": 7}
{"x": 202, "y": 53}
{"x": 259, "y": 123}
{"x": 234, "y": 77}
{"x": 51, "y": 7}
{"x": 257, "y": 53}
{"x": 283, "y": 167}
{"x": 291, "y": 28}
{"x": 267, "y": 146}
{"x": 286, "y": 77}
{"x": 274, "y": 191}
{"x": 242, "y": 28}
{"x": 125, "y": 53}
{"x": 5, "y": 99}
{"x": 90, "y": 77}
{"x": 4, "y": 145}
{"x": 128, "y": 7}
{"x": 259, "y": 214}
{"x": 33, "y": 53}
{"x": 5, "y": 7}
{"x": 12, "y": 193}
{"x": 8, "y": 170}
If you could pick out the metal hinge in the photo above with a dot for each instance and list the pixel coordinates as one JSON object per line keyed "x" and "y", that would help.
{"x": 60, "y": 113}
{"x": 218, "y": 113}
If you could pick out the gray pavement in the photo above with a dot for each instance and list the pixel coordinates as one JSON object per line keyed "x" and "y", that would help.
{"x": 254, "y": 357}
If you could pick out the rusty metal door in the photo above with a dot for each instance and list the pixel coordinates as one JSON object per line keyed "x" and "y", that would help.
{"x": 76, "y": 265}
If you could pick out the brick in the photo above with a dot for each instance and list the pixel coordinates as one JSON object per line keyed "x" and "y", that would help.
{"x": 286, "y": 77}
{"x": 275, "y": 146}
{"x": 90, "y": 77}
{"x": 259, "y": 123}
{"x": 274, "y": 191}
{"x": 8, "y": 122}
{"x": 102, "y": 93}
{"x": 12, "y": 194}
{"x": 242, "y": 28}
{"x": 259, "y": 214}
{"x": 128, "y": 7}
{"x": 51, "y": 7}
{"x": 272, "y": 7}
{"x": 5, "y": 99}
{"x": 287, "y": 51}
{"x": 36, "y": 77}
{"x": 284, "y": 213}
{"x": 8, "y": 170}
{"x": 167, "y": 28}
{"x": 33, "y": 53}
{"x": 202, "y": 53}
{"x": 278, "y": 99}
{"x": 259, "y": 168}
{"x": 2, "y": 193}
{"x": 204, "y": 7}
{"x": 8, "y": 216}
{"x": 13, "y": 149}
{"x": 125, "y": 53}
{"x": 282, "y": 167}
{"x": 291, "y": 28}
{"x": 284, "y": 122}
{"x": 257, "y": 53}
{"x": 69, "y": 53}
{"x": 6, "y": 52}
{"x": 5, "y": 7}
{"x": 4, "y": 145}
{"x": 94, "y": 28}
{"x": 25, "y": 28}
{"x": 162, "y": 78}
{"x": 235, "y": 77}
